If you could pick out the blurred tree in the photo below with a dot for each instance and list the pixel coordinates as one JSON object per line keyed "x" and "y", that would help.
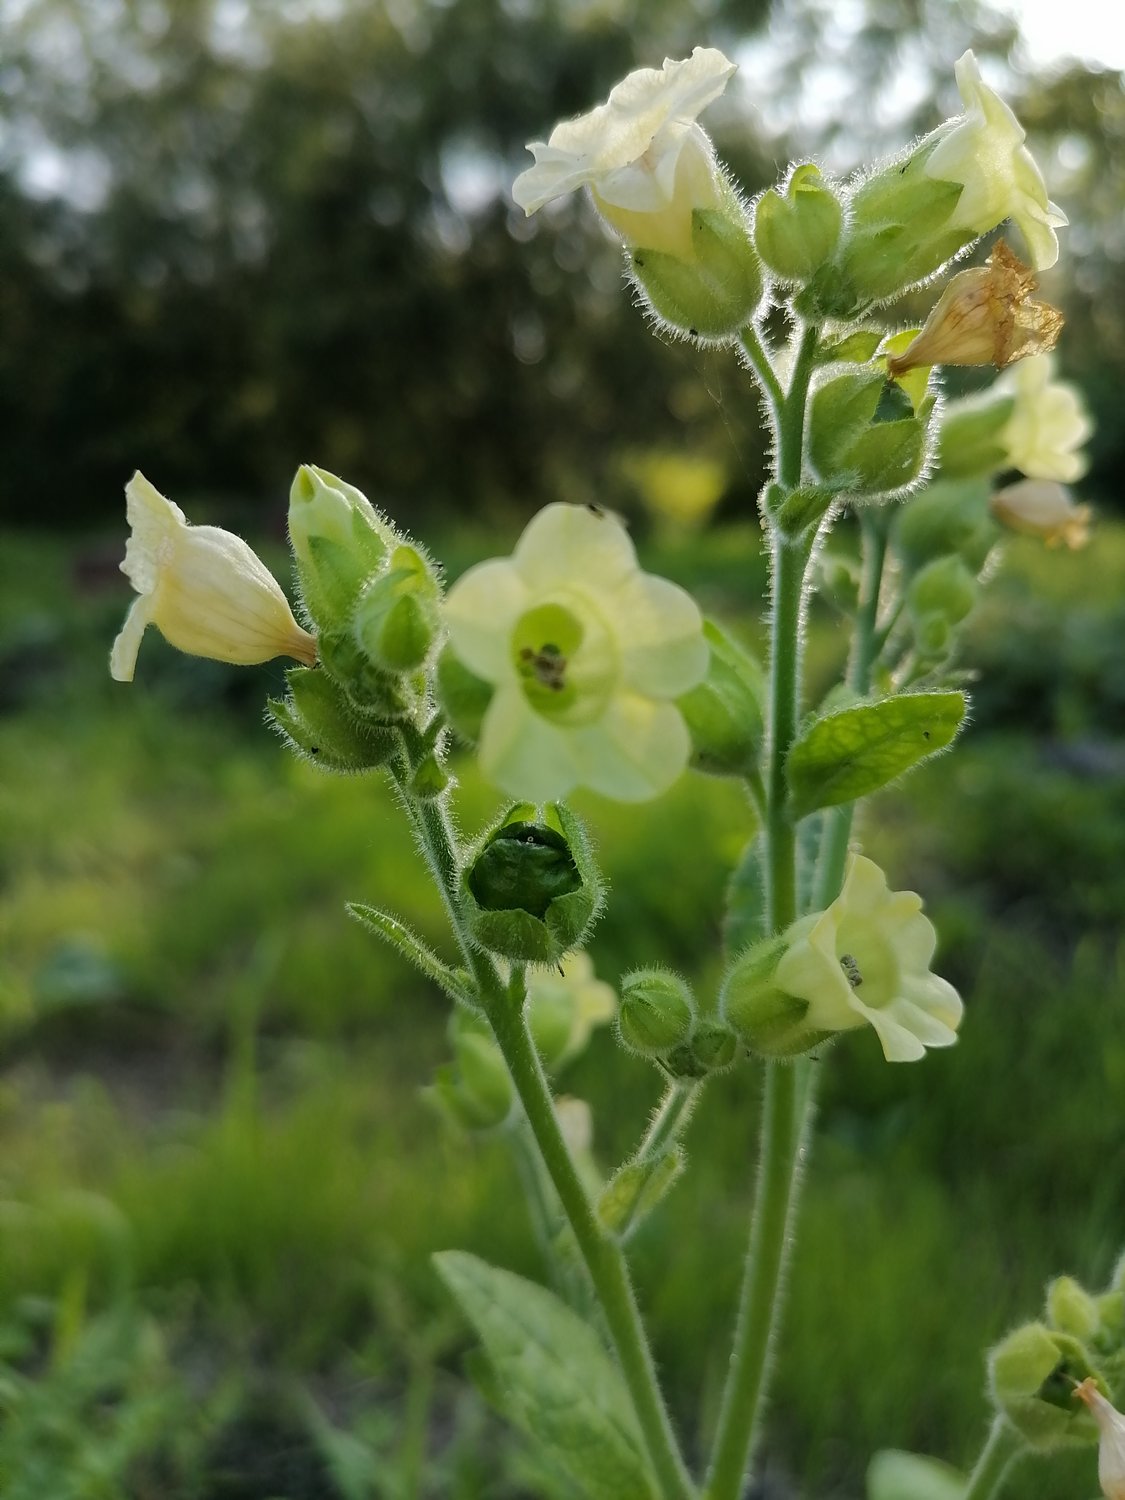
{"x": 236, "y": 236}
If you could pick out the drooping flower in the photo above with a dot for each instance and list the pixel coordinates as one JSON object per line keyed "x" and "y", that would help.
{"x": 1111, "y": 1447}
{"x": 866, "y": 959}
{"x": 984, "y": 151}
{"x": 1043, "y": 508}
{"x": 204, "y": 589}
{"x": 1048, "y": 425}
{"x": 646, "y": 161}
{"x": 585, "y": 654}
{"x": 985, "y": 316}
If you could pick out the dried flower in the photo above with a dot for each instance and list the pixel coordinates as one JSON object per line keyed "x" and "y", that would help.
{"x": 1043, "y": 508}
{"x": 985, "y": 316}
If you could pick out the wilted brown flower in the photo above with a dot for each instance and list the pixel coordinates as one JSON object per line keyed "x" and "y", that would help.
{"x": 985, "y": 316}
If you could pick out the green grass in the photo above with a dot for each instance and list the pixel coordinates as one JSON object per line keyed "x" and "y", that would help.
{"x": 214, "y": 1156}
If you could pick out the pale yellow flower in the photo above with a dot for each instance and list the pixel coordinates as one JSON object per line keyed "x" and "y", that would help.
{"x": 984, "y": 151}
{"x": 204, "y": 589}
{"x": 1043, "y": 508}
{"x": 573, "y": 993}
{"x": 1048, "y": 425}
{"x": 646, "y": 161}
{"x": 586, "y": 655}
{"x": 866, "y": 959}
{"x": 1111, "y": 1447}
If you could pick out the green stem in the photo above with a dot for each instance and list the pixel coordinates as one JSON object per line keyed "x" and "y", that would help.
{"x": 762, "y": 366}
{"x": 787, "y": 1103}
{"x": 1002, "y": 1447}
{"x": 603, "y": 1256}
{"x": 865, "y": 649}
{"x": 671, "y": 1117}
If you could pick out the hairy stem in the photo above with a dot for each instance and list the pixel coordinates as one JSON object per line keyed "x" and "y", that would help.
{"x": 1002, "y": 1447}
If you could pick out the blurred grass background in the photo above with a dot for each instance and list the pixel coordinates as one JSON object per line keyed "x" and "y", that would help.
{"x": 237, "y": 236}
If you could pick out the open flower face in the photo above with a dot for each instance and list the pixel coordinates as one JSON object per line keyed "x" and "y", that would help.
{"x": 585, "y": 653}
{"x": 867, "y": 959}
{"x": 647, "y": 162}
{"x": 1048, "y": 424}
{"x": 203, "y": 588}
{"x": 984, "y": 151}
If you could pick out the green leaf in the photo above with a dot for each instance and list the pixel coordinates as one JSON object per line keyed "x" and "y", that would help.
{"x": 635, "y": 1189}
{"x": 397, "y": 935}
{"x": 856, "y": 347}
{"x": 895, "y": 1475}
{"x": 745, "y": 919}
{"x": 854, "y": 752}
{"x": 559, "y": 1385}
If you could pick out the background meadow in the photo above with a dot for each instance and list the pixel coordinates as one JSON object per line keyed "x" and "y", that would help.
{"x": 236, "y": 237}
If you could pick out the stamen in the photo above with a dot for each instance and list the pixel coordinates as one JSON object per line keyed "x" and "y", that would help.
{"x": 851, "y": 970}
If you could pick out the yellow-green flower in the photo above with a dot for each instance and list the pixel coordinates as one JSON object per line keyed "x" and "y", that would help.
{"x": 646, "y": 161}
{"x": 1111, "y": 1445}
{"x": 1043, "y": 508}
{"x": 867, "y": 960}
{"x": 586, "y": 655}
{"x": 204, "y": 589}
{"x": 1049, "y": 422}
{"x": 984, "y": 151}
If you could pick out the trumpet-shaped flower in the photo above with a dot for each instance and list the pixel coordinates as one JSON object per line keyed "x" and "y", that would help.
{"x": 204, "y": 589}
{"x": 1048, "y": 425}
{"x": 984, "y": 151}
{"x": 1111, "y": 1445}
{"x": 585, "y": 654}
{"x": 867, "y": 959}
{"x": 1043, "y": 508}
{"x": 646, "y": 161}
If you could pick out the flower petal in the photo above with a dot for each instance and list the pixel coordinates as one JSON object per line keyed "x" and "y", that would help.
{"x": 664, "y": 652}
{"x": 481, "y": 610}
{"x": 155, "y": 525}
{"x": 573, "y": 544}
{"x": 524, "y": 754}
{"x": 635, "y": 751}
{"x": 123, "y": 655}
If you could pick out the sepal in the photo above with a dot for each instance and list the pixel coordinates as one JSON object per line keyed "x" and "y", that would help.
{"x": 319, "y": 722}
{"x": 796, "y": 232}
{"x": 1033, "y": 1374}
{"x": 714, "y": 294}
{"x": 656, "y": 1014}
{"x": 724, "y": 712}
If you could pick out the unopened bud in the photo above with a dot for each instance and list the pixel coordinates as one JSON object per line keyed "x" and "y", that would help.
{"x": 796, "y": 233}
{"x": 656, "y": 1014}
{"x": 532, "y": 890}
{"x": 985, "y": 316}
{"x": 717, "y": 292}
{"x": 1033, "y": 1373}
{"x": 634, "y": 1191}
{"x": 1043, "y": 508}
{"x": 1071, "y": 1308}
{"x": 318, "y": 721}
{"x": 396, "y": 620}
{"x": 944, "y": 587}
{"x": 724, "y": 713}
{"x": 339, "y": 540}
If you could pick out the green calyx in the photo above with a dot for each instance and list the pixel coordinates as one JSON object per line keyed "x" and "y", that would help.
{"x": 319, "y": 722}
{"x": 971, "y": 443}
{"x": 767, "y": 1020}
{"x": 713, "y": 295}
{"x": 796, "y": 232}
{"x": 948, "y": 516}
{"x": 858, "y": 437}
{"x": 531, "y": 891}
{"x": 724, "y": 714}
{"x": 1033, "y": 1374}
{"x": 339, "y": 540}
{"x": 397, "y": 620}
{"x": 656, "y": 1014}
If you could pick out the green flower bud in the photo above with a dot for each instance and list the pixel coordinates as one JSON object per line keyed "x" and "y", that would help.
{"x": 429, "y": 779}
{"x": 724, "y": 713}
{"x": 1071, "y": 1309}
{"x": 848, "y": 444}
{"x": 634, "y": 1191}
{"x": 318, "y": 721}
{"x": 1033, "y": 1373}
{"x": 715, "y": 293}
{"x": 933, "y": 636}
{"x": 475, "y": 1091}
{"x": 768, "y": 1021}
{"x": 397, "y": 619}
{"x": 377, "y": 694}
{"x": 797, "y": 233}
{"x": 946, "y": 517}
{"x": 899, "y": 230}
{"x": 339, "y": 540}
{"x": 971, "y": 443}
{"x": 463, "y": 695}
{"x": 944, "y": 587}
{"x": 714, "y": 1046}
{"x": 836, "y": 577}
{"x": 656, "y": 1014}
{"x": 532, "y": 890}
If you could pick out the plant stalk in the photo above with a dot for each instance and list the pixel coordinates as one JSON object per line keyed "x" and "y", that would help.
{"x": 1002, "y": 1447}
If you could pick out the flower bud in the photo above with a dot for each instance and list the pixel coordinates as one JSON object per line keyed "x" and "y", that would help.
{"x": 797, "y": 233}
{"x": 947, "y": 516}
{"x": 985, "y": 316}
{"x": 1071, "y": 1309}
{"x": 714, "y": 1046}
{"x": 716, "y": 292}
{"x": 339, "y": 540}
{"x": 656, "y": 1014}
{"x": 1043, "y": 508}
{"x": 635, "y": 1189}
{"x": 836, "y": 576}
{"x": 944, "y": 587}
{"x": 1111, "y": 1444}
{"x": 464, "y": 697}
{"x": 724, "y": 713}
{"x": 397, "y": 620}
{"x": 532, "y": 891}
{"x": 851, "y": 448}
{"x": 1033, "y": 1373}
{"x": 768, "y": 1021}
{"x": 318, "y": 721}
{"x": 971, "y": 442}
